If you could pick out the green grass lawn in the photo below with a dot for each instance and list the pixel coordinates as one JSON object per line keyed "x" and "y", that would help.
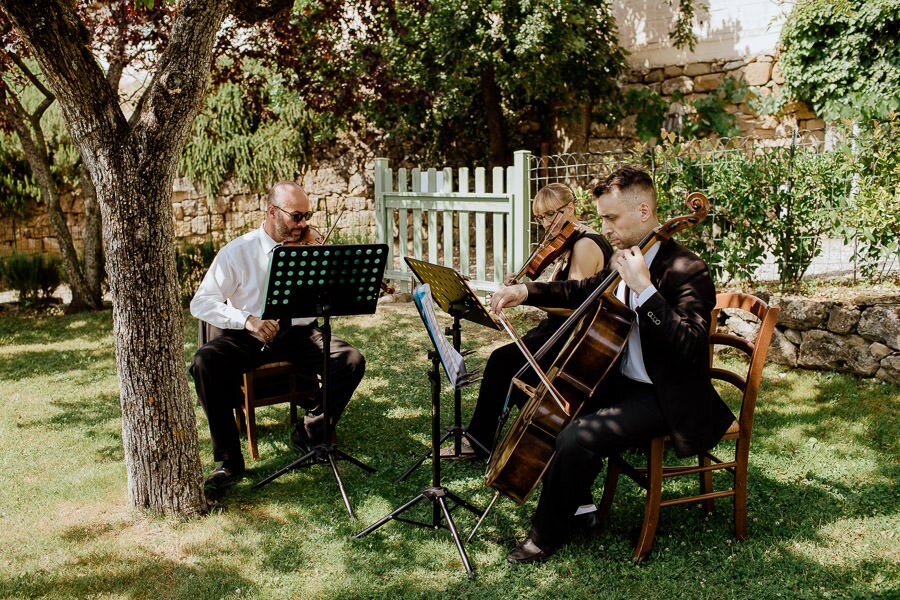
{"x": 823, "y": 504}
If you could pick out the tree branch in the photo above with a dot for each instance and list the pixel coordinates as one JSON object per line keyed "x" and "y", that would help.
{"x": 254, "y": 11}
{"x": 57, "y": 39}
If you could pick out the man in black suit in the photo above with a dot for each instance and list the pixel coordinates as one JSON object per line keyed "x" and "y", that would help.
{"x": 660, "y": 384}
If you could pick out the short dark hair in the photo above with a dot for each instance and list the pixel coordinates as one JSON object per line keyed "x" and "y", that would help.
{"x": 624, "y": 178}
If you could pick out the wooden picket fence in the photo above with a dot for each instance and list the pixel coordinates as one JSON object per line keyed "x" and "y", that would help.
{"x": 440, "y": 216}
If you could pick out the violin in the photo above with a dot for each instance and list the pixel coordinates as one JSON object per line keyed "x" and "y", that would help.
{"x": 553, "y": 245}
{"x": 313, "y": 237}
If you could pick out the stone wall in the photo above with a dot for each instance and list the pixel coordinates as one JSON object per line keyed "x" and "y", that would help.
{"x": 343, "y": 180}
{"x": 859, "y": 334}
{"x": 340, "y": 182}
{"x": 698, "y": 79}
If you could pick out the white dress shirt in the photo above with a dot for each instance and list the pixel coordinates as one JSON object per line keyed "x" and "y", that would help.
{"x": 632, "y": 365}
{"x": 234, "y": 286}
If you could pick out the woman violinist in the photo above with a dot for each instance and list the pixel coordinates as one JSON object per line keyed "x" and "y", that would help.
{"x": 585, "y": 252}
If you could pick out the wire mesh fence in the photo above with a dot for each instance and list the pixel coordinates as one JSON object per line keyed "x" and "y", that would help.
{"x": 775, "y": 204}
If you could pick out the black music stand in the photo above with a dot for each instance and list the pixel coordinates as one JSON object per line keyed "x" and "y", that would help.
{"x": 453, "y": 294}
{"x": 323, "y": 281}
{"x": 436, "y": 493}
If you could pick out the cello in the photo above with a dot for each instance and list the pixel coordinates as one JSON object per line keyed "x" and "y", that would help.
{"x": 598, "y": 330}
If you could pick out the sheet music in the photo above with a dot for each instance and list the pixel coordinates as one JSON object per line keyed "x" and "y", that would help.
{"x": 452, "y": 360}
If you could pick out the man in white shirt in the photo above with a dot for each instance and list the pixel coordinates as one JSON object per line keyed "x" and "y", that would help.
{"x": 231, "y": 297}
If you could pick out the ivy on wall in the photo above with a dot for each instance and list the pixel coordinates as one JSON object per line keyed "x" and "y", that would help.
{"x": 842, "y": 57}
{"x": 254, "y": 133}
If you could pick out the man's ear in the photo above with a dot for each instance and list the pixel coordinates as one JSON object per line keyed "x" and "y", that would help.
{"x": 646, "y": 212}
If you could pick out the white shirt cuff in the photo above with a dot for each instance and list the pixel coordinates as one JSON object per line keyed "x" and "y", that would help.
{"x": 645, "y": 295}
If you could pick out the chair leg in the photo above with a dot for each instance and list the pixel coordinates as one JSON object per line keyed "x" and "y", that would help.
{"x": 706, "y": 485}
{"x": 609, "y": 488}
{"x": 654, "y": 495}
{"x": 250, "y": 415}
{"x": 740, "y": 497}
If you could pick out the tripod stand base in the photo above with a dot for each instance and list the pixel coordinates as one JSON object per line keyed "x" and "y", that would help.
{"x": 457, "y": 452}
{"x": 322, "y": 454}
{"x": 438, "y": 497}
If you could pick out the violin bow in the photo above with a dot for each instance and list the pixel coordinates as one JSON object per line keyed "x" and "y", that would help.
{"x": 333, "y": 226}
{"x": 557, "y": 397}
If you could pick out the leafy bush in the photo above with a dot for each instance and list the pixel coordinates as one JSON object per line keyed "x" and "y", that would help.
{"x": 704, "y": 117}
{"x": 842, "y": 56}
{"x": 871, "y": 218}
{"x": 777, "y": 200}
{"x": 34, "y": 276}
{"x": 192, "y": 261}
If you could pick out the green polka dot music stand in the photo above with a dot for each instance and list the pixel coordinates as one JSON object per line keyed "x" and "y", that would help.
{"x": 317, "y": 281}
{"x": 323, "y": 281}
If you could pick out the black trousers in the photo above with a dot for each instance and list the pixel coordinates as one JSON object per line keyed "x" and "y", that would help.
{"x": 218, "y": 367}
{"x": 629, "y": 416}
{"x": 502, "y": 365}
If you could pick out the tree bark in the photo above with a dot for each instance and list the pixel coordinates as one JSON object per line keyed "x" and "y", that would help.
{"x": 493, "y": 112}
{"x": 92, "y": 251}
{"x": 133, "y": 167}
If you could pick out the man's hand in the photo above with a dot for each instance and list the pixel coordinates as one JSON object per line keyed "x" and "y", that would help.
{"x": 264, "y": 331}
{"x": 631, "y": 266}
{"x": 505, "y": 297}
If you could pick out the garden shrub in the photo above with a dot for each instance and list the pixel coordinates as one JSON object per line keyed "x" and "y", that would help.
{"x": 871, "y": 217}
{"x": 777, "y": 200}
{"x": 34, "y": 276}
{"x": 192, "y": 261}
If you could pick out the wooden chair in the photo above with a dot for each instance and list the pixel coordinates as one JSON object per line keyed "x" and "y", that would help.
{"x": 267, "y": 384}
{"x": 651, "y": 477}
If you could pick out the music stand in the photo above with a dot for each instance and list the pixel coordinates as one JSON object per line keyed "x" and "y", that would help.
{"x": 451, "y": 292}
{"x": 436, "y": 493}
{"x": 323, "y": 281}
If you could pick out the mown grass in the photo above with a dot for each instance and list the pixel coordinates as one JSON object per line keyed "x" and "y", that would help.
{"x": 823, "y": 497}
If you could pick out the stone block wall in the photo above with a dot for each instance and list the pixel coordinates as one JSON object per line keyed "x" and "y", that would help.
{"x": 859, "y": 334}
{"x": 341, "y": 182}
{"x": 696, "y": 80}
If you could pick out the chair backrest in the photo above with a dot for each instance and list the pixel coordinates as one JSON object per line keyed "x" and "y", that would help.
{"x": 206, "y": 332}
{"x": 755, "y": 350}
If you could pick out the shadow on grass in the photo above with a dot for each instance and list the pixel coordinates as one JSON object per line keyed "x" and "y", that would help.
{"x": 139, "y": 577}
{"x": 98, "y": 418}
{"x": 39, "y": 363}
{"x": 51, "y": 329}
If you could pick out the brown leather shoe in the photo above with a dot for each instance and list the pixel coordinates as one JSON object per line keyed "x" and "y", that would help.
{"x": 528, "y": 552}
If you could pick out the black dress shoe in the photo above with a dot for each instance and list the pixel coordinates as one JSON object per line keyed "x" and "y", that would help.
{"x": 590, "y": 524}
{"x": 226, "y": 474}
{"x": 528, "y": 552}
{"x": 300, "y": 439}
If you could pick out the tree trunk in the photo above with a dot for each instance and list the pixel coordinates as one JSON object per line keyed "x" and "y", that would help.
{"x": 490, "y": 95}
{"x": 94, "y": 267}
{"x": 133, "y": 167}
{"x": 31, "y": 136}
{"x": 159, "y": 430}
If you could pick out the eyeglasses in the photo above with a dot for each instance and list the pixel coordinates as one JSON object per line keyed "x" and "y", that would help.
{"x": 297, "y": 216}
{"x": 548, "y": 217}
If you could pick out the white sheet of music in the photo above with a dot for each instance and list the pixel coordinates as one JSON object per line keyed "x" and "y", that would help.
{"x": 452, "y": 360}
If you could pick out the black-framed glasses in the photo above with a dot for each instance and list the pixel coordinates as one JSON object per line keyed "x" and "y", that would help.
{"x": 297, "y": 216}
{"x": 548, "y": 217}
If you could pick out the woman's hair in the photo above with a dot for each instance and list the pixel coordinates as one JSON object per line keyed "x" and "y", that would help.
{"x": 552, "y": 196}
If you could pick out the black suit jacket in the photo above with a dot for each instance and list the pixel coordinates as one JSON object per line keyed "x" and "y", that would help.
{"x": 674, "y": 329}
